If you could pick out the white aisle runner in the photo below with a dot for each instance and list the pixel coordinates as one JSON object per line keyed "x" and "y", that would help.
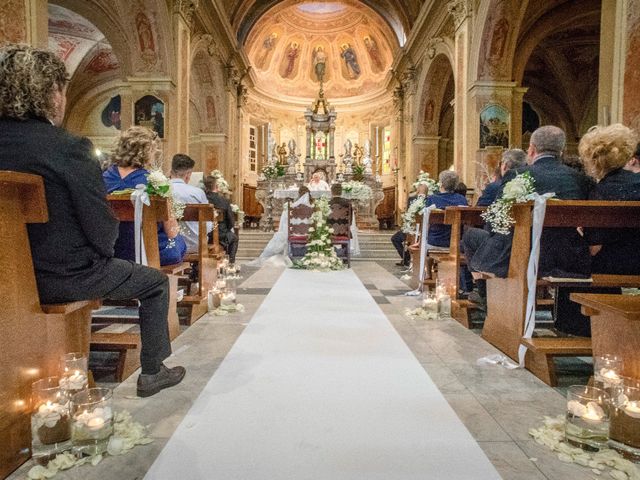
{"x": 321, "y": 386}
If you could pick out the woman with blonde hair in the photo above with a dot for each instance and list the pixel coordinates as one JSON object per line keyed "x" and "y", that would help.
{"x": 606, "y": 152}
{"x": 137, "y": 150}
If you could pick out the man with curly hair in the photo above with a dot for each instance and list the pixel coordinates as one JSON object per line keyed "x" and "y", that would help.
{"x": 73, "y": 253}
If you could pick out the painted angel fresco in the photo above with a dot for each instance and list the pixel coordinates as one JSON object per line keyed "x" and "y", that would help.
{"x": 268, "y": 45}
{"x": 374, "y": 54}
{"x": 351, "y": 61}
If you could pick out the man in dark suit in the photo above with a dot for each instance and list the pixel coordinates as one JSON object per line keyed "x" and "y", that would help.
{"x": 511, "y": 159}
{"x": 562, "y": 252}
{"x": 73, "y": 252}
{"x": 228, "y": 238}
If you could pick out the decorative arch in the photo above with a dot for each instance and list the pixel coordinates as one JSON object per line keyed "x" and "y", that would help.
{"x": 432, "y": 88}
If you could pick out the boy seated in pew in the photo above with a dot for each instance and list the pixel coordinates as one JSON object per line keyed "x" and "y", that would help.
{"x": 563, "y": 252}
{"x": 73, "y": 253}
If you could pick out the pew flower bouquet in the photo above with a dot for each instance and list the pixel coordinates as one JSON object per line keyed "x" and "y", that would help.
{"x": 158, "y": 184}
{"x": 425, "y": 179}
{"x": 239, "y": 213}
{"x": 358, "y": 191}
{"x": 320, "y": 256}
{"x": 518, "y": 190}
{"x": 409, "y": 217}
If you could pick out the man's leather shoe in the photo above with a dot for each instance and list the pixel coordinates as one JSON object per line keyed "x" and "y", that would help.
{"x": 167, "y": 377}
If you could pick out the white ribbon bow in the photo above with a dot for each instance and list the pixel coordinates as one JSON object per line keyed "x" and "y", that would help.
{"x": 539, "y": 210}
{"x": 139, "y": 198}
{"x": 423, "y": 249}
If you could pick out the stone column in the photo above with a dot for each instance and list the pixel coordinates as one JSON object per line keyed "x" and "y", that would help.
{"x": 463, "y": 152}
{"x": 183, "y": 11}
{"x": 25, "y": 21}
{"x": 426, "y": 151}
{"x": 613, "y": 48}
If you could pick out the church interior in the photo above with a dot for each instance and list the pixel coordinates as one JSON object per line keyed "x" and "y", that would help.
{"x": 362, "y": 370}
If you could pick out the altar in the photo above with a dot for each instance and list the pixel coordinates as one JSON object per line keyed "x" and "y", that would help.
{"x": 287, "y": 173}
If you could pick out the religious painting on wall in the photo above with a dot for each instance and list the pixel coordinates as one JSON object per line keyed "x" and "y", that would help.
{"x": 111, "y": 113}
{"x": 103, "y": 61}
{"x": 288, "y": 67}
{"x": 377, "y": 63}
{"x": 319, "y": 62}
{"x": 494, "y": 127}
{"x": 320, "y": 146}
{"x": 351, "y": 68}
{"x": 149, "y": 112}
{"x": 266, "y": 51}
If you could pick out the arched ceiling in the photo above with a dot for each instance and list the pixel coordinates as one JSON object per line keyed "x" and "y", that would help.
{"x": 79, "y": 43}
{"x": 287, "y": 43}
{"x": 398, "y": 14}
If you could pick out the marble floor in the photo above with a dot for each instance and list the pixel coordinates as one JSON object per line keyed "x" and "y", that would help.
{"x": 497, "y": 406}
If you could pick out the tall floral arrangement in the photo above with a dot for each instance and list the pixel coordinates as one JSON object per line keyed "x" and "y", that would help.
{"x": 425, "y": 179}
{"x": 223, "y": 185}
{"x": 239, "y": 213}
{"x": 518, "y": 190}
{"x": 357, "y": 191}
{"x": 320, "y": 256}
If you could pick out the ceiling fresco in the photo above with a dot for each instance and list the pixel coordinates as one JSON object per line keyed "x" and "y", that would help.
{"x": 345, "y": 43}
{"x": 78, "y": 42}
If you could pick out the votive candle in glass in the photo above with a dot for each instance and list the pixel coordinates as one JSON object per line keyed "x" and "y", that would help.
{"x": 74, "y": 376}
{"x": 92, "y": 421}
{"x": 50, "y": 423}
{"x": 624, "y": 432}
{"x": 587, "y": 423}
{"x": 606, "y": 371}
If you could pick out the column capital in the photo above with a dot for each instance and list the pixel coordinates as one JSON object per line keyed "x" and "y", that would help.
{"x": 186, "y": 9}
{"x": 460, "y": 10}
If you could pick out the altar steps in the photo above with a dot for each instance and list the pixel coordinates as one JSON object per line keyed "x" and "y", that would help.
{"x": 374, "y": 246}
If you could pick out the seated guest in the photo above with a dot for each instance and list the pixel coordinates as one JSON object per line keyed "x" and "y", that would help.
{"x": 606, "y": 152}
{"x": 181, "y": 170}
{"x": 399, "y": 237}
{"x": 440, "y": 235}
{"x": 73, "y": 253}
{"x": 228, "y": 238}
{"x": 462, "y": 189}
{"x": 563, "y": 252}
{"x": 136, "y": 151}
{"x": 512, "y": 159}
{"x": 336, "y": 195}
{"x": 633, "y": 165}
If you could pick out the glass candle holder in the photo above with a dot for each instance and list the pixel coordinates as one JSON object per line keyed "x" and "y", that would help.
{"x": 74, "y": 376}
{"x": 228, "y": 296}
{"x": 587, "y": 423}
{"x": 50, "y": 420}
{"x": 92, "y": 421}
{"x": 624, "y": 432}
{"x": 430, "y": 303}
{"x": 606, "y": 371}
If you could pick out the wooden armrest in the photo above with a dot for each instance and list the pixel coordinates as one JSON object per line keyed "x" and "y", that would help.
{"x": 65, "y": 308}
{"x": 175, "y": 268}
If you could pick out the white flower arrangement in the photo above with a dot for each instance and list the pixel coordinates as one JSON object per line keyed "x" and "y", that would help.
{"x": 224, "y": 310}
{"x": 425, "y": 179}
{"x": 126, "y": 435}
{"x": 271, "y": 171}
{"x": 518, "y": 190}
{"x": 223, "y": 185}
{"x": 320, "y": 256}
{"x": 239, "y": 213}
{"x": 552, "y": 435}
{"x": 409, "y": 217}
{"x": 158, "y": 184}
{"x": 357, "y": 191}
{"x": 420, "y": 313}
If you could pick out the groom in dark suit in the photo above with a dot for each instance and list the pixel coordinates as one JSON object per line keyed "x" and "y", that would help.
{"x": 73, "y": 252}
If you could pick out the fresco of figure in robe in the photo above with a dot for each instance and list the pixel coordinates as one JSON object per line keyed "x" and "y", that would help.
{"x": 268, "y": 45}
{"x": 320, "y": 63}
{"x": 374, "y": 54}
{"x": 351, "y": 61}
{"x": 288, "y": 67}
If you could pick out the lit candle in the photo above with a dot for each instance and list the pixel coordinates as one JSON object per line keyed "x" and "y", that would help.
{"x": 632, "y": 409}
{"x": 610, "y": 377}
{"x": 221, "y": 284}
{"x": 94, "y": 420}
{"x": 50, "y": 413}
{"x": 228, "y": 298}
{"x": 95, "y": 423}
{"x": 594, "y": 413}
{"x": 77, "y": 381}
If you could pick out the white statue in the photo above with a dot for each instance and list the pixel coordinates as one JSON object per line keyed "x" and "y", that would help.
{"x": 366, "y": 159}
{"x": 292, "y": 159}
{"x": 347, "y": 160}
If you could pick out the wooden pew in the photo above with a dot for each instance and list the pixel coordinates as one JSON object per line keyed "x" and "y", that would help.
{"x": 450, "y": 265}
{"x": 507, "y": 297}
{"x": 33, "y": 337}
{"x": 197, "y": 303}
{"x": 436, "y": 217}
{"x": 215, "y": 248}
{"x": 615, "y": 327}
{"x": 126, "y": 344}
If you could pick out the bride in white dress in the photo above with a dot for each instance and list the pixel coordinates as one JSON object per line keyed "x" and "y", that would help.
{"x": 276, "y": 252}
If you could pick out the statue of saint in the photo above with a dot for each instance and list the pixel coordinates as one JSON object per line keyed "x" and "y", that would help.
{"x": 282, "y": 154}
{"x": 347, "y": 148}
{"x": 358, "y": 153}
